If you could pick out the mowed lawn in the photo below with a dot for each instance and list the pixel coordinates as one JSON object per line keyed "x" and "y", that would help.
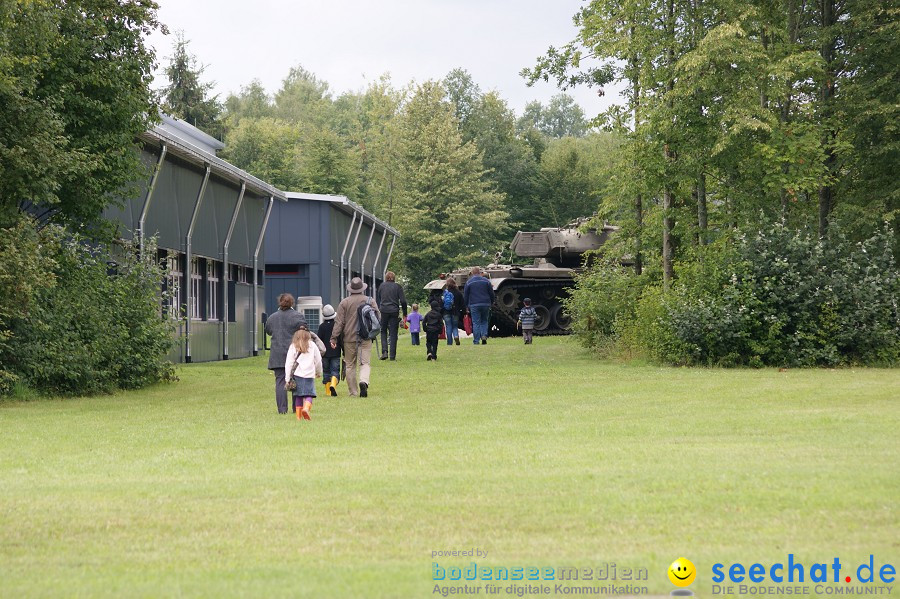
{"x": 540, "y": 455}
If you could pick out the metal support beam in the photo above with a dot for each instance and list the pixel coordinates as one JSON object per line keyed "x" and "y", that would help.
{"x": 344, "y": 254}
{"x": 350, "y": 257}
{"x": 362, "y": 265}
{"x": 388, "y": 260}
{"x": 147, "y": 199}
{"x": 234, "y": 216}
{"x": 375, "y": 263}
{"x": 259, "y": 241}
{"x": 187, "y": 269}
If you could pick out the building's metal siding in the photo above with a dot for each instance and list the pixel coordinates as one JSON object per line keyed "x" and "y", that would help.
{"x": 206, "y": 340}
{"x": 243, "y": 241}
{"x": 304, "y": 242}
{"x": 168, "y": 218}
{"x": 173, "y": 202}
{"x": 128, "y": 214}
{"x": 240, "y": 332}
{"x": 298, "y": 234}
{"x": 213, "y": 218}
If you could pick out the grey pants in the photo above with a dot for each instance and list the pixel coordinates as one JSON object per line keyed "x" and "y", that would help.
{"x": 280, "y": 393}
{"x": 526, "y": 333}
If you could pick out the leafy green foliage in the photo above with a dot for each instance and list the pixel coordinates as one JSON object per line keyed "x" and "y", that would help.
{"x": 24, "y": 273}
{"x": 562, "y": 117}
{"x": 777, "y": 298}
{"x": 267, "y": 148}
{"x": 75, "y": 87}
{"x": 79, "y": 319}
{"x": 448, "y": 214}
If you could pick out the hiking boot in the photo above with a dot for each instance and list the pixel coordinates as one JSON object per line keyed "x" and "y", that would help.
{"x": 383, "y": 357}
{"x": 483, "y": 341}
{"x": 457, "y": 340}
{"x": 364, "y": 389}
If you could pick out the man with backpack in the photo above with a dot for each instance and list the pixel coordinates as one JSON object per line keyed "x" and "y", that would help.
{"x": 390, "y": 300}
{"x": 358, "y": 322}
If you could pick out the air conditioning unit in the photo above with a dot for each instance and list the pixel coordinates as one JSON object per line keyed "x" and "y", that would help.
{"x": 310, "y": 307}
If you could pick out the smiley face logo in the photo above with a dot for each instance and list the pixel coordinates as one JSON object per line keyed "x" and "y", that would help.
{"x": 682, "y": 572}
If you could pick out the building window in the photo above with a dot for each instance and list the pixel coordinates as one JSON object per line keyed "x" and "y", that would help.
{"x": 238, "y": 273}
{"x": 173, "y": 285}
{"x": 196, "y": 288}
{"x": 311, "y": 315}
{"x": 212, "y": 290}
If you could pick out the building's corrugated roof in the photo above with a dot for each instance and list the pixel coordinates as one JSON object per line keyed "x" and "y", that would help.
{"x": 181, "y": 145}
{"x": 343, "y": 203}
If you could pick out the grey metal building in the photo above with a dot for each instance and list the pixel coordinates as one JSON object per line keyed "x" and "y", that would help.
{"x": 209, "y": 220}
{"x": 316, "y": 243}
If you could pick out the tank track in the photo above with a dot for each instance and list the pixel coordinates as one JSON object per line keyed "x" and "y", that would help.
{"x": 508, "y": 318}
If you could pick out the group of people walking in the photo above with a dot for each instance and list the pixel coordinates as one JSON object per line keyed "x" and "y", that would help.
{"x": 298, "y": 356}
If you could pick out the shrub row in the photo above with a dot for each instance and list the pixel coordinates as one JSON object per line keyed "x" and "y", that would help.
{"x": 777, "y": 297}
{"x": 77, "y": 318}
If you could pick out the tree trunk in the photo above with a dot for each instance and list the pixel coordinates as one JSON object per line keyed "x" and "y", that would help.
{"x": 639, "y": 216}
{"x": 638, "y": 200}
{"x": 701, "y": 210}
{"x": 668, "y": 250}
{"x": 826, "y": 191}
{"x": 793, "y": 33}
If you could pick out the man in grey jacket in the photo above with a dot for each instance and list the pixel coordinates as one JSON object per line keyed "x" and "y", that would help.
{"x": 281, "y": 326}
{"x": 390, "y": 299}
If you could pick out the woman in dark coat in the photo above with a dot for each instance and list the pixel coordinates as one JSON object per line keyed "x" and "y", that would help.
{"x": 281, "y": 326}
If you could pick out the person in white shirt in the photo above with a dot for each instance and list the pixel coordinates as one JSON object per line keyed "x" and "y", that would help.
{"x": 303, "y": 365}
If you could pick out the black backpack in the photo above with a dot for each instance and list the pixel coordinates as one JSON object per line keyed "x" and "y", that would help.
{"x": 368, "y": 325}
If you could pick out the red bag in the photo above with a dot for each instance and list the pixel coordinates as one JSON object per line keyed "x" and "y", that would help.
{"x": 443, "y": 334}
{"x": 467, "y": 324}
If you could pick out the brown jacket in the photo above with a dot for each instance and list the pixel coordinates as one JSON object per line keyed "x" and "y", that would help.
{"x": 346, "y": 321}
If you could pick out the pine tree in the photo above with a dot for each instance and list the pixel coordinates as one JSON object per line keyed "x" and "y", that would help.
{"x": 186, "y": 97}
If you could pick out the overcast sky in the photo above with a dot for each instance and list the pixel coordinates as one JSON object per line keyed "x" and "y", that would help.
{"x": 351, "y": 42}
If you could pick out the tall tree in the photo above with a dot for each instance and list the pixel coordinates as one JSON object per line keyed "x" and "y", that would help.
{"x": 267, "y": 148}
{"x": 252, "y": 101}
{"x": 326, "y": 166}
{"x": 75, "y": 85}
{"x": 303, "y": 98}
{"x": 447, "y": 213}
{"x": 186, "y": 96}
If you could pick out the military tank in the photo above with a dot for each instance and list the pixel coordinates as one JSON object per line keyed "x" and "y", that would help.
{"x": 557, "y": 255}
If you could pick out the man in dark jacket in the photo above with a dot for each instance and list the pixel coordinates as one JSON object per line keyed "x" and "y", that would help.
{"x": 479, "y": 295}
{"x": 390, "y": 300}
{"x": 281, "y": 326}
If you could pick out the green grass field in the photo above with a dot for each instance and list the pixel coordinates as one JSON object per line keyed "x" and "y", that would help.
{"x": 539, "y": 455}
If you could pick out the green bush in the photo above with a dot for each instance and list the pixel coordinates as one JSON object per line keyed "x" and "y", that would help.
{"x": 89, "y": 323}
{"x": 604, "y": 295}
{"x": 777, "y": 297}
{"x": 25, "y": 270}
{"x": 791, "y": 300}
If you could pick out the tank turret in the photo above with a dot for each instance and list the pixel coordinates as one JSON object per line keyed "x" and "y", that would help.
{"x": 557, "y": 255}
